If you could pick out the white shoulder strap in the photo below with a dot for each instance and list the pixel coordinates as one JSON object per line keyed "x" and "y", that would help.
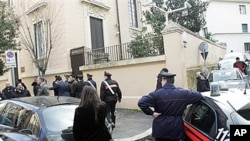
{"x": 91, "y": 84}
{"x": 109, "y": 87}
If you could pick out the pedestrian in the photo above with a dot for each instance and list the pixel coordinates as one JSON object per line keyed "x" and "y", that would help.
{"x": 62, "y": 87}
{"x": 90, "y": 80}
{"x": 202, "y": 81}
{"x": 167, "y": 106}
{"x": 20, "y": 81}
{"x": 158, "y": 83}
{"x": 43, "y": 87}
{"x": 54, "y": 85}
{"x": 241, "y": 65}
{"x": 8, "y": 90}
{"x": 110, "y": 93}
{"x": 72, "y": 84}
{"x": 89, "y": 118}
{"x": 20, "y": 91}
{"x": 79, "y": 86}
{"x": 35, "y": 86}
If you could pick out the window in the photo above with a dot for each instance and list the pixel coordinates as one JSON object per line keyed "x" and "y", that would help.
{"x": 133, "y": 13}
{"x": 40, "y": 49}
{"x": 244, "y": 28}
{"x": 34, "y": 126}
{"x": 247, "y": 47}
{"x": 243, "y": 10}
{"x": 9, "y": 116}
{"x": 203, "y": 118}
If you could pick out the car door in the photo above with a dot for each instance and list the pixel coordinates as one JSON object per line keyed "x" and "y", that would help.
{"x": 200, "y": 122}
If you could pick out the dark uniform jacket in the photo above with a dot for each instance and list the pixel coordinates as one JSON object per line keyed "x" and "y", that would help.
{"x": 85, "y": 128}
{"x": 79, "y": 88}
{"x": 171, "y": 103}
{"x": 106, "y": 95}
{"x": 92, "y": 82}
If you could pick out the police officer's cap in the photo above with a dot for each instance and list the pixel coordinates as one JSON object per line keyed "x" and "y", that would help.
{"x": 89, "y": 75}
{"x": 107, "y": 74}
{"x": 167, "y": 74}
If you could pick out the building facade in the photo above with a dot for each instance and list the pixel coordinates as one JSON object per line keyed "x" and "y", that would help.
{"x": 228, "y": 22}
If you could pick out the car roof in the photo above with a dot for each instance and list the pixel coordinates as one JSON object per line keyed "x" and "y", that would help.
{"x": 45, "y": 101}
{"x": 234, "y": 97}
{"x": 226, "y": 70}
{"x": 233, "y": 55}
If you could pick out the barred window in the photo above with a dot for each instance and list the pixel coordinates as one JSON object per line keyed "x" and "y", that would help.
{"x": 242, "y": 9}
{"x": 247, "y": 47}
{"x": 133, "y": 13}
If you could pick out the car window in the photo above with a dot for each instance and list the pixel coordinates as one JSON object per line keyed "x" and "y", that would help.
{"x": 203, "y": 118}
{"x": 58, "y": 118}
{"x": 9, "y": 116}
{"x": 34, "y": 125}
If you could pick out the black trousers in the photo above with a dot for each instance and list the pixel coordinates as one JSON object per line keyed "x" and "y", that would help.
{"x": 111, "y": 111}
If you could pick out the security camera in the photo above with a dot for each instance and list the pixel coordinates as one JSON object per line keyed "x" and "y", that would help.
{"x": 187, "y": 5}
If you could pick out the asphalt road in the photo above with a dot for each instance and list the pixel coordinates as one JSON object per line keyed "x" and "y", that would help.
{"x": 131, "y": 125}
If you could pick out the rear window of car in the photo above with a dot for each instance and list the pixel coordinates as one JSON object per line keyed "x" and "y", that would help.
{"x": 244, "y": 113}
{"x": 58, "y": 118}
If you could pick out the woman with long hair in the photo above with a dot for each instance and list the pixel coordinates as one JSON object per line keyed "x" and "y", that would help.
{"x": 89, "y": 119}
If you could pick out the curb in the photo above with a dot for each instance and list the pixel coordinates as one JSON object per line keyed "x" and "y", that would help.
{"x": 137, "y": 137}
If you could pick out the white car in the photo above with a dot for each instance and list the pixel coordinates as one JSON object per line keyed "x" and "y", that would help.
{"x": 233, "y": 55}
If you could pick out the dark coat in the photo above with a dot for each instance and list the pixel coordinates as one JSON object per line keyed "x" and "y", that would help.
{"x": 92, "y": 81}
{"x": 63, "y": 88}
{"x": 21, "y": 93}
{"x": 79, "y": 88}
{"x": 8, "y": 92}
{"x": 35, "y": 88}
{"x": 105, "y": 93}
{"x": 85, "y": 128}
{"x": 171, "y": 103}
{"x": 202, "y": 83}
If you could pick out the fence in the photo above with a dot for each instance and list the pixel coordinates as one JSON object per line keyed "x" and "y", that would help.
{"x": 135, "y": 49}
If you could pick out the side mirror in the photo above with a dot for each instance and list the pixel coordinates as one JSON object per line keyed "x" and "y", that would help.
{"x": 25, "y": 131}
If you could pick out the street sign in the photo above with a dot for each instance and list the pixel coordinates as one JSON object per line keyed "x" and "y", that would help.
{"x": 10, "y": 59}
{"x": 204, "y": 55}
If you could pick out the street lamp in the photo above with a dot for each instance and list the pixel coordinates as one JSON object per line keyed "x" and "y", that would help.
{"x": 150, "y": 3}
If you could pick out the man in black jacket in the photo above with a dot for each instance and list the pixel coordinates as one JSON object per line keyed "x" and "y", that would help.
{"x": 109, "y": 93}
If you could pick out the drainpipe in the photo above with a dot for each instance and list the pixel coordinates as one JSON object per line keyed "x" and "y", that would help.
{"x": 119, "y": 29}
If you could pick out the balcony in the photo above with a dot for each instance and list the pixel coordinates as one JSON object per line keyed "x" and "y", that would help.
{"x": 152, "y": 46}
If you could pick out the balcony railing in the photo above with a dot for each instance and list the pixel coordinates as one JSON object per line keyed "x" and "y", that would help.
{"x": 134, "y": 49}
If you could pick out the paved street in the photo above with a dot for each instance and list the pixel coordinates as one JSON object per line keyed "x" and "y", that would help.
{"x": 131, "y": 125}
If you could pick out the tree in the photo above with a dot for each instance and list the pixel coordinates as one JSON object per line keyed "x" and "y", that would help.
{"x": 194, "y": 21}
{"x": 40, "y": 37}
{"x": 8, "y": 28}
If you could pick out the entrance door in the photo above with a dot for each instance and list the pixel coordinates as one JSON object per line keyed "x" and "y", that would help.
{"x": 97, "y": 39}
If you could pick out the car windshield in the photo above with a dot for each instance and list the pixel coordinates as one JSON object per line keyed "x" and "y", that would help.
{"x": 58, "y": 118}
{"x": 224, "y": 76}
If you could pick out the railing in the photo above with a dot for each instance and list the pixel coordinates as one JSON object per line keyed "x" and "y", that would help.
{"x": 134, "y": 49}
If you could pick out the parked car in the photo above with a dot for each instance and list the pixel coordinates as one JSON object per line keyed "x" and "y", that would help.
{"x": 42, "y": 118}
{"x": 210, "y": 119}
{"x": 231, "y": 78}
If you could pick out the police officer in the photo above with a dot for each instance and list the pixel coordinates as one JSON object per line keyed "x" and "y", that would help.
{"x": 90, "y": 80}
{"x": 158, "y": 83}
{"x": 109, "y": 93}
{"x": 169, "y": 104}
{"x": 79, "y": 86}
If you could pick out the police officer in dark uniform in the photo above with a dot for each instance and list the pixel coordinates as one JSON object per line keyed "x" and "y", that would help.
{"x": 158, "y": 83}
{"x": 109, "y": 93}
{"x": 90, "y": 80}
{"x": 169, "y": 104}
{"x": 79, "y": 86}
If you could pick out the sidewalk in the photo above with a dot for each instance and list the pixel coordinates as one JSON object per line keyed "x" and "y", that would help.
{"x": 131, "y": 125}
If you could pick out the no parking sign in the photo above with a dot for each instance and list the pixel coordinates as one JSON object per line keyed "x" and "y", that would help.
{"x": 10, "y": 59}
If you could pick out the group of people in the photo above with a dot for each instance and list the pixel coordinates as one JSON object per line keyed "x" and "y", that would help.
{"x": 20, "y": 90}
{"x": 89, "y": 120}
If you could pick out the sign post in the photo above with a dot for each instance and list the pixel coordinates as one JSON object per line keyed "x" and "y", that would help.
{"x": 11, "y": 63}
